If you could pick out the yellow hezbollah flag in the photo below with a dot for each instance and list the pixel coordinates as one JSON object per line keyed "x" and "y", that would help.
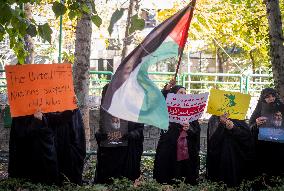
{"x": 233, "y": 103}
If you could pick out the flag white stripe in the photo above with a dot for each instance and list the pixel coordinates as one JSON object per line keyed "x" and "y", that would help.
{"x": 128, "y": 99}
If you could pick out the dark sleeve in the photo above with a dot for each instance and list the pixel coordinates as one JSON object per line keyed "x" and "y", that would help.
{"x": 12, "y": 165}
{"x": 194, "y": 134}
{"x": 36, "y": 123}
{"x": 254, "y": 132}
{"x": 215, "y": 134}
{"x": 239, "y": 132}
{"x": 165, "y": 92}
{"x": 135, "y": 130}
{"x": 194, "y": 127}
{"x": 256, "y": 113}
{"x": 30, "y": 135}
{"x": 78, "y": 127}
{"x": 98, "y": 134}
{"x": 242, "y": 134}
{"x": 28, "y": 126}
{"x": 76, "y": 153}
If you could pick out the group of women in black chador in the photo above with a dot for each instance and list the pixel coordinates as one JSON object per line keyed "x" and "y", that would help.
{"x": 234, "y": 152}
{"x": 50, "y": 148}
{"x": 47, "y": 148}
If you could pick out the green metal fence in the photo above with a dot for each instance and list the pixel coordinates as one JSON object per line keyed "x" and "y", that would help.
{"x": 98, "y": 79}
{"x": 2, "y": 81}
{"x": 161, "y": 78}
{"x": 254, "y": 83}
{"x": 194, "y": 82}
{"x": 200, "y": 82}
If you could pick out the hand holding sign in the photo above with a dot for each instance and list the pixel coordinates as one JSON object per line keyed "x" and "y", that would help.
{"x": 226, "y": 121}
{"x": 185, "y": 126}
{"x": 261, "y": 120}
{"x": 171, "y": 84}
{"x": 38, "y": 114}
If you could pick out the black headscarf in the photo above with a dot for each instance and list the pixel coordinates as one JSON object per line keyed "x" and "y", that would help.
{"x": 259, "y": 107}
{"x": 176, "y": 88}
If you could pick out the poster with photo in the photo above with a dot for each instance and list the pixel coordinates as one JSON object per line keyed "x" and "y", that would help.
{"x": 115, "y": 129}
{"x": 273, "y": 129}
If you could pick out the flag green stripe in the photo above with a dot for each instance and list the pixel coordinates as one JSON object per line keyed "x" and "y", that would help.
{"x": 154, "y": 108}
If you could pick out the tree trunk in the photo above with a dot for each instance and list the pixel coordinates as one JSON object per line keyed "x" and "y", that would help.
{"x": 29, "y": 42}
{"x": 253, "y": 63}
{"x": 220, "y": 64}
{"x": 81, "y": 69}
{"x": 125, "y": 41}
{"x": 276, "y": 44}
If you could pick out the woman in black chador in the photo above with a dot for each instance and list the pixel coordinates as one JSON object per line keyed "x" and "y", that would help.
{"x": 70, "y": 144}
{"x": 230, "y": 150}
{"x": 177, "y": 155}
{"x": 119, "y": 153}
{"x": 269, "y": 155}
{"x": 47, "y": 148}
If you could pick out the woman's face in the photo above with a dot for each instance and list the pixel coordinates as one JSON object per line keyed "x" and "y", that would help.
{"x": 269, "y": 98}
{"x": 181, "y": 91}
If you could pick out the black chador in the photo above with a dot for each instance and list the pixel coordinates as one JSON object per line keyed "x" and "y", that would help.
{"x": 269, "y": 155}
{"x": 229, "y": 151}
{"x": 119, "y": 150}
{"x": 170, "y": 163}
{"x": 51, "y": 150}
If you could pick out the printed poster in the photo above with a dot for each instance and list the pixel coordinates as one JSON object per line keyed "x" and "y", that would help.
{"x": 233, "y": 103}
{"x": 115, "y": 130}
{"x": 273, "y": 129}
{"x": 184, "y": 108}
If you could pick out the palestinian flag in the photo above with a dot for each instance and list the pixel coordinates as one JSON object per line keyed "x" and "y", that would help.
{"x": 131, "y": 95}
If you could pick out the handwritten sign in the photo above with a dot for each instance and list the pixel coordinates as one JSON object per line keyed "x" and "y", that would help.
{"x": 45, "y": 86}
{"x": 233, "y": 103}
{"x": 186, "y": 108}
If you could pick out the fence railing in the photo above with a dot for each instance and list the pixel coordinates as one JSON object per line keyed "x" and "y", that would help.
{"x": 194, "y": 82}
{"x": 97, "y": 81}
{"x": 198, "y": 82}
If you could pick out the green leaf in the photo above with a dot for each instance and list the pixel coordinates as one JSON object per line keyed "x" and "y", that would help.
{"x": 72, "y": 14}
{"x": 31, "y": 30}
{"x": 114, "y": 18}
{"x": 86, "y": 9}
{"x": 97, "y": 20}
{"x": 15, "y": 22}
{"x": 5, "y": 14}
{"x": 74, "y": 6}
{"x": 45, "y": 32}
{"x": 202, "y": 20}
{"x": 26, "y": 1}
{"x": 93, "y": 7}
{"x": 136, "y": 24}
{"x": 58, "y": 9}
{"x": 2, "y": 32}
{"x": 22, "y": 26}
{"x": 20, "y": 51}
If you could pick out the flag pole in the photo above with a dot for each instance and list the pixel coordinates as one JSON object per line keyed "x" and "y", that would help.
{"x": 184, "y": 36}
